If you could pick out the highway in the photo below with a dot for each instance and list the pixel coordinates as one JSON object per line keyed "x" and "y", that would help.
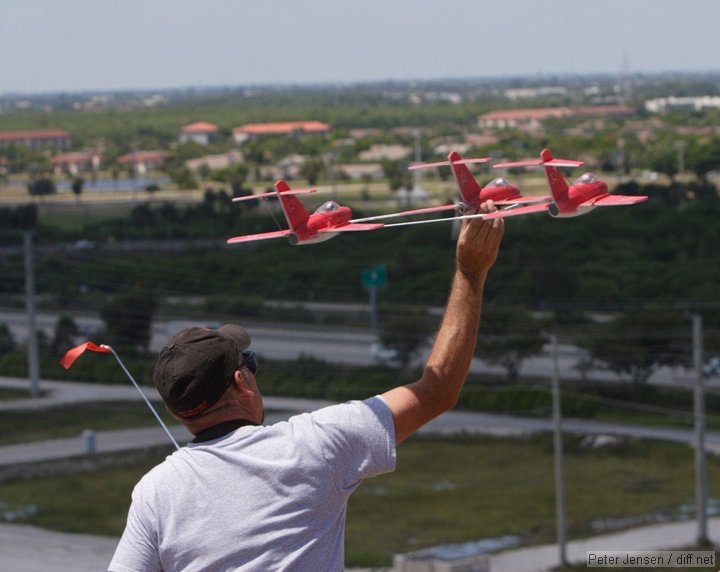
{"x": 339, "y": 345}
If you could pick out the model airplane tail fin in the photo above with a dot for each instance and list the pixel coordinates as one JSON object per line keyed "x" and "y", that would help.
{"x": 469, "y": 187}
{"x": 295, "y": 212}
{"x": 558, "y": 184}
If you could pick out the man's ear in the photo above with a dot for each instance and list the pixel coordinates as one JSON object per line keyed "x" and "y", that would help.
{"x": 241, "y": 385}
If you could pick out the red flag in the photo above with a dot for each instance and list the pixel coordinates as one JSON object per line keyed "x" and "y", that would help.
{"x": 74, "y": 353}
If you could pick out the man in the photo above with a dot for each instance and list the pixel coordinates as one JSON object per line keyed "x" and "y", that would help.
{"x": 242, "y": 496}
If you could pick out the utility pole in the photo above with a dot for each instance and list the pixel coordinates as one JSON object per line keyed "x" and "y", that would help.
{"x": 558, "y": 457}
{"x": 32, "y": 347}
{"x": 699, "y": 406}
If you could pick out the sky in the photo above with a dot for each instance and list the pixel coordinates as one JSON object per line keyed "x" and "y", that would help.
{"x": 87, "y": 45}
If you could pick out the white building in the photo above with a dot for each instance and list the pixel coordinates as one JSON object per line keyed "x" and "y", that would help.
{"x": 672, "y": 103}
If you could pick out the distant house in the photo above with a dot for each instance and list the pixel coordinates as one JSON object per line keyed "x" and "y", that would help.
{"x": 200, "y": 132}
{"x": 533, "y": 118}
{"x": 76, "y": 162}
{"x": 37, "y": 139}
{"x": 361, "y": 133}
{"x": 143, "y": 161}
{"x": 382, "y": 152}
{"x": 359, "y": 171}
{"x": 215, "y": 162}
{"x": 282, "y": 128}
{"x": 603, "y": 111}
{"x": 525, "y": 118}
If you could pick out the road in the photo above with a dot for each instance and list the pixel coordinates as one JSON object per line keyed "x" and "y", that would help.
{"x": 59, "y": 393}
{"x": 338, "y": 345}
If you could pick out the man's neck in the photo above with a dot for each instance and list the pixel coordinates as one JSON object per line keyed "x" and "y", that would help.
{"x": 220, "y": 429}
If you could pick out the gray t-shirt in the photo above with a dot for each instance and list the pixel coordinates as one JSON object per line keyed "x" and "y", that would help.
{"x": 259, "y": 498}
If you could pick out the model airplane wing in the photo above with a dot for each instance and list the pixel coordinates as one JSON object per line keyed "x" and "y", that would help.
{"x": 521, "y": 200}
{"x": 540, "y": 162}
{"x": 261, "y": 236}
{"x": 614, "y": 200}
{"x": 350, "y": 227}
{"x": 518, "y": 211}
{"x": 275, "y": 194}
{"x": 447, "y": 163}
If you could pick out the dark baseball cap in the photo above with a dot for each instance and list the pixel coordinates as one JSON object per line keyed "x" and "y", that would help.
{"x": 196, "y": 367}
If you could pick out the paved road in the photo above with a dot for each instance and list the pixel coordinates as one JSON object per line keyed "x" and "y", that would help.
{"x": 285, "y": 341}
{"x": 63, "y": 393}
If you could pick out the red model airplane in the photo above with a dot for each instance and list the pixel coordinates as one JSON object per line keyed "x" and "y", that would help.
{"x": 472, "y": 195}
{"x": 579, "y": 198}
{"x": 327, "y": 221}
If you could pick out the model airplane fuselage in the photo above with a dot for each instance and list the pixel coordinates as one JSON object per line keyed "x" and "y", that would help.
{"x": 318, "y": 227}
{"x": 581, "y": 197}
{"x": 328, "y": 220}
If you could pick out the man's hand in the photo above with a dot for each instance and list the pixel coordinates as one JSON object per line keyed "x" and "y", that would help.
{"x": 478, "y": 244}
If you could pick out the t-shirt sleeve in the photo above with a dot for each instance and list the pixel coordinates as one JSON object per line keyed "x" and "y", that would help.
{"x": 137, "y": 549}
{"x": 357, "y": 438}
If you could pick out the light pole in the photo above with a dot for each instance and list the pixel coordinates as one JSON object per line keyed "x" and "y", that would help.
{"x": 558, "y": 457}
{"x": 32, "y": 347}
{"x": 699, "y": 406}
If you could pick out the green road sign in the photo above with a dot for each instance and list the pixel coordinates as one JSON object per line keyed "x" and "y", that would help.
{"x": 374, "y": 277}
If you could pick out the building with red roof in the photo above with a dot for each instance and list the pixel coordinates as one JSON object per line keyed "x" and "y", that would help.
{"x": 532, "y": 118}
{"x": 200, "y": 132}
{"x": 37, "y": 139}
{"x": 143, "y": 161}
{"x": 77, "y": 161}
{"x": 282, "y": 128}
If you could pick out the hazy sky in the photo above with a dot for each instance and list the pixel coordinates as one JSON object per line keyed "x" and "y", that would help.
{"x": 73, "y": 45}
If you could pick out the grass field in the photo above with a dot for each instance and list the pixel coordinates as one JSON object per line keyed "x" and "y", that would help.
{"x": 11, "y": 394}
{"x": 445, "y": 490}
{"x": 56, "y": 423}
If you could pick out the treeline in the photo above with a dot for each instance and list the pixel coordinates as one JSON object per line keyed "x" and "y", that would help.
{"x": 610, "y": 259}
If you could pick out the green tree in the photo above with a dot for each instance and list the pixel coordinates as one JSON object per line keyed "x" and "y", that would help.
{"x": 77, "y": 187}
{"x": 128, "y": 318}
{"x": 64, "y": 337}
{"x": 312, "y": 168}
{"x": 394, "y": 174}
{"x": 406, "y": 331}
{"x": 183, "y": 178}
{"x": 42, "y": 187}
{"x": 703, "y": 158}
{"x": 24, "y": 218}
{"x": 637, "y": 343}
{"x": 7, "y": 343}
{"x": 508, "y": 336}
{"x": 664, "y": 160}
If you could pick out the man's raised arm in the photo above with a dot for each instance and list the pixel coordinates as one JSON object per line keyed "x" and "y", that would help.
{"x": 446, "y": 369}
